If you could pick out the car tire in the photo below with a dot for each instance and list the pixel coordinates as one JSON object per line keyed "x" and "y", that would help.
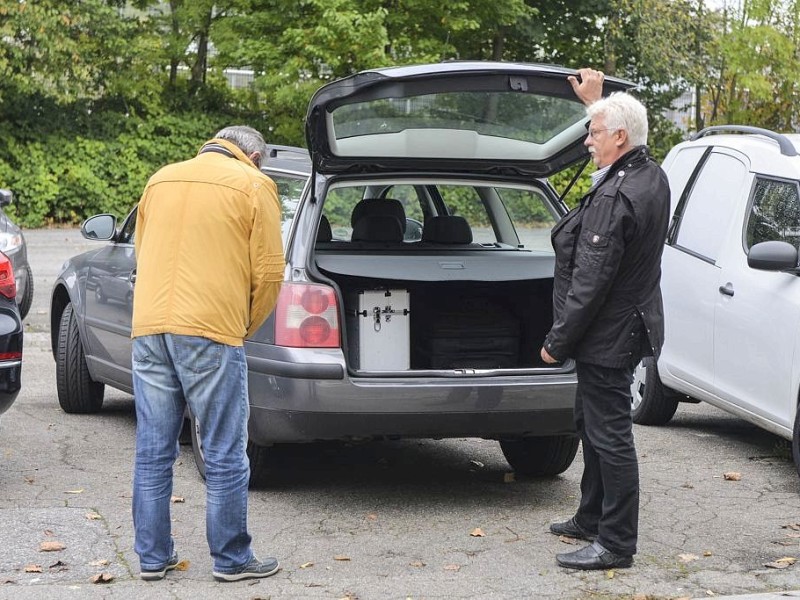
{"x": 540, "y": 456}
{"x": 77, "y": 392}
{"x": 796, "y": 441}
{"x": 197, "y": 447}
{"x": 651, "y": 402}
{"x": 24, "y": 303}
{"x": 261, "y": 464}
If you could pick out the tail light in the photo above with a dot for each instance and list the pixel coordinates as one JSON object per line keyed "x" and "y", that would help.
{"x": 8, "y": 285}
{"x": 307, "y": 316}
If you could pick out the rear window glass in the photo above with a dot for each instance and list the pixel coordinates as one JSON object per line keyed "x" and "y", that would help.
{"x": 496, "y": 215}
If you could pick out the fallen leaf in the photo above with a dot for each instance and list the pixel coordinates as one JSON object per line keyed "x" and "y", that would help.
{"x": 349, "y": 596}
{"x": 794, "y": 526}
{"x": 341, "y": 557}
{"x": 781, "y": 563}
{"x": 49, "y": 533}
{"x": 786, "y": 542}
{"x": 33, "y": 569}
{"x": 102, "y": 578}
{"x": 509, "y": 478}
{"x": 80, "y": 491}
{"x": 688, "y": 486}
{"x": 452, "y": 567}
{"x": 793, "y": 534}
{"x": 177, "y": 499}
{"x": 51, "y": 546}
{"x": 102, "y": 562}
{"x": 732, "y": 476}
{"x": 610, "y": 574}
{"x": 183, "y": 565}
{"x": 417, "y": 564}
{"x": 477, "y": 532}
{"x": 29, "y": 479}
{"x": 707, "y": 553}
{"x": 92, "y": 516}
{"x": 5, "y": 581}
{"x": 372, "y": 517}
{"x": 688, "y": 557}
{"x": 568, "y": 540}
{"x": 306, "y": 565}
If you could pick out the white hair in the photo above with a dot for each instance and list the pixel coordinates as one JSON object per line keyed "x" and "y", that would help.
{"x": 622, "y": 111}
{"x": 248, "y": 140}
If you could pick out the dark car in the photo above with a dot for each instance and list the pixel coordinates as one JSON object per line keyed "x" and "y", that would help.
{"x": 418, "y": 286}
{"x": 10, "y": 336}
{"x": 12, "y": 244}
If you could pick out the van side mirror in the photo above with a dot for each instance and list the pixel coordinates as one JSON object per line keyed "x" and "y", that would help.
{"x": 773, "y": 256}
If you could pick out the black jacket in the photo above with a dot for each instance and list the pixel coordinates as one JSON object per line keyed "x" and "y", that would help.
{"x": 607, "y": 307}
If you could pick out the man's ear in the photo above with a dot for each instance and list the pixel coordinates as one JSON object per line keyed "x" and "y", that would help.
{"x": 256, "y": 158}
{"x": 622, "y": 140}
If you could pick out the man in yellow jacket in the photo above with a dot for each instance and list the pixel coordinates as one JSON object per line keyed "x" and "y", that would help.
{"x": 209, "y": 268}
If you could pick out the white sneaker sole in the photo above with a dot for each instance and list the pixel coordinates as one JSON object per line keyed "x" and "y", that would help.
{"x": 225, "y": 577}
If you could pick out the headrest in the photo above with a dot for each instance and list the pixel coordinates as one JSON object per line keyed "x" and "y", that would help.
{"x": 324, "y": 233}
{"x": 378, "y": 206}
{"x": 449, "y": 229}
{"x": 377, "y": 228}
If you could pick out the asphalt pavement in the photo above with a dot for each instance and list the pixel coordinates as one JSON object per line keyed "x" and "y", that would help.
{"x": 418, "y": 519}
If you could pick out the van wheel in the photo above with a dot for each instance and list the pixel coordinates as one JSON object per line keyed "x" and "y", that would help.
{"x": 77, "y": 393}
{"x": 543, "y": 456}
{"x": 796, "y": 441}
{"x": 651, "y": 402}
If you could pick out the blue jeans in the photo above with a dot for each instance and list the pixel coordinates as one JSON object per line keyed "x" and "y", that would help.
{"x": 170, "y": 371}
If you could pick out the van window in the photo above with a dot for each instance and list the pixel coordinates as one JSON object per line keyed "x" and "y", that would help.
{"x": 708, "y": 210}
{"x": 774, "y": 213}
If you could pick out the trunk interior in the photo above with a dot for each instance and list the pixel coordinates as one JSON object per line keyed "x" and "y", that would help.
{"x": 444, "y": 325}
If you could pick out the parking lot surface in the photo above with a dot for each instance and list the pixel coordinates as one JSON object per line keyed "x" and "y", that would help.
{"x": 417, "y": 519}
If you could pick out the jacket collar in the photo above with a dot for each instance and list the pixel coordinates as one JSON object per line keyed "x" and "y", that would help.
{"x": 633, "y": 158}
{"x": 226, "y": 148}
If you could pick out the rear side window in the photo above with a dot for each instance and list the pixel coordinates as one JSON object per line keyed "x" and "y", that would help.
{"x": 707, "y": 213}
{"x": 290, "y": 188}
{"x": 774, "y": 213}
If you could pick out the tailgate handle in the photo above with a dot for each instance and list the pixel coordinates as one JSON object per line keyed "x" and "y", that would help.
{"x": 726, "y": 290}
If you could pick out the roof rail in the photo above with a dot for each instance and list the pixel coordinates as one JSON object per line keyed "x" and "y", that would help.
{"x": 787, "y": 148}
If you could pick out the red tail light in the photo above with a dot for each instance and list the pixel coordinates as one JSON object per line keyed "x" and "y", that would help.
{"x": 8, "y": 286}
{"x": 307, "y": 316}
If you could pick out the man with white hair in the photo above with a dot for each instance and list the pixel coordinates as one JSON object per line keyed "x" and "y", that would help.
{"x": 607, "y": 315}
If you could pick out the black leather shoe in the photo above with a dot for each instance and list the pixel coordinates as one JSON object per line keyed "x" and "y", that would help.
{"x": 572, "y": 529}
{"x": 593, "y": 557}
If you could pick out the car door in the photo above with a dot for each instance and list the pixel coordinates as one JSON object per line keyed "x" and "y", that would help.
{"x": 758, "y": 312}
{"x": 111, "y": 276}
{"x": 691, "y": 270}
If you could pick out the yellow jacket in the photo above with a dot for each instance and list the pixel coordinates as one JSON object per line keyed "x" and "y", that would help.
{"x": 208, "y": 247}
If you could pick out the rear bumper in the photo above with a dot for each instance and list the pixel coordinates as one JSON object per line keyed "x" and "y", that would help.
{"x": 10, "y": 373}
{"x": 293, "y": 401}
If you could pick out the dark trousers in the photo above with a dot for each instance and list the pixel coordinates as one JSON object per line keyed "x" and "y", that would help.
{"x": 610, "y": 483}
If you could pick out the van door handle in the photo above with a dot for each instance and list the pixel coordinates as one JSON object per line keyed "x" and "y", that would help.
{"x": 726, "y": 289}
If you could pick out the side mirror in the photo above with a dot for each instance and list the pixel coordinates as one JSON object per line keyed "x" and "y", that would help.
{"x": 413, "y": 232}
{"x": 773, "y": 256}
{"x": 6, "y": 197}
{"x": 99, "y": 227}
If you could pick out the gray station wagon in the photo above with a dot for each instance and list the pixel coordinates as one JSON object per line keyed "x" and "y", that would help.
{"x": 418, "y": 286}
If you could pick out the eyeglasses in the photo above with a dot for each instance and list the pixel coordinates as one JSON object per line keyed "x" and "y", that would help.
{"x": 593, "y": 132}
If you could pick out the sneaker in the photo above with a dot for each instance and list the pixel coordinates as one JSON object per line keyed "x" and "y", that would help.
{"x": 253, "y": 570}
{"x": 159, "y": 574}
